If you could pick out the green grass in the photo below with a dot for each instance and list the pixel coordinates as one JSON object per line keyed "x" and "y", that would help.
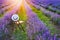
{"x": 19, "y": 34}
{"x": 1, "y": 15}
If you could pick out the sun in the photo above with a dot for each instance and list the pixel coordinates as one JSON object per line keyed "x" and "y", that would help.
{"x": 13, "y": 1}
{"x": 17, "y": 1}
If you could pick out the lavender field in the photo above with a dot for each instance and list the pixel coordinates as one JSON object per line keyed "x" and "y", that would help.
{"x": 29, "y": 19}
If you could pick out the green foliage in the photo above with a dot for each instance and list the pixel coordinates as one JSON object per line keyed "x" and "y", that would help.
{"x": 20, "y": 34}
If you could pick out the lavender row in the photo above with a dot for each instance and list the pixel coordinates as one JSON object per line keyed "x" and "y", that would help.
{"x": 6, "y": 24}
{"x": 54, "y": 16}
{"x": 36, "y": 28}
{"x": 48, "y": 4}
